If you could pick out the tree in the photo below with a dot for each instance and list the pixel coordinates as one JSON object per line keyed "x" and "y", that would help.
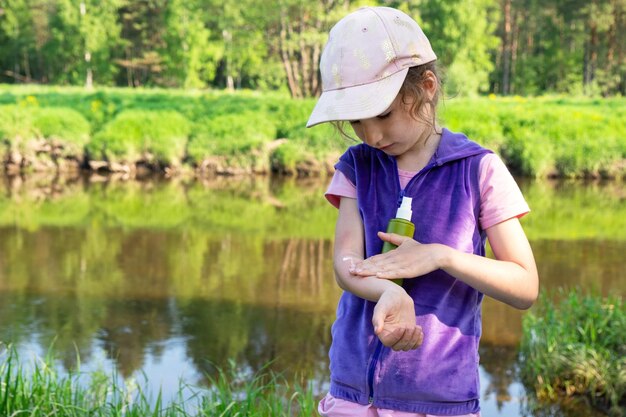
{"x": 17, "y": 33}
{"x": 191, "y": 54}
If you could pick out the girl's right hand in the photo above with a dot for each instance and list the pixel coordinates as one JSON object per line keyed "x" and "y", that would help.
{"x": 394, "y": 320}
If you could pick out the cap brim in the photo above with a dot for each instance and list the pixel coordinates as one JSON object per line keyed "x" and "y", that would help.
{"x": 357, "y": 102}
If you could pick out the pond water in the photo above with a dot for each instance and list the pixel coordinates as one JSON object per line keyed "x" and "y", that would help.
{"x": 163, "y": 280}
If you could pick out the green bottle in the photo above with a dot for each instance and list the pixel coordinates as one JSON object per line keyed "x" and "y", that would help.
{"x": 401, "y": 225}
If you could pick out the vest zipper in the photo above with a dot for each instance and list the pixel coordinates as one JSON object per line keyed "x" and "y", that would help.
{"x": 379, "y": 345}
{"x": 372, "y": 370}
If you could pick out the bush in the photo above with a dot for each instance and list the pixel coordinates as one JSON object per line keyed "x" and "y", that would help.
{"x": 305, "y": 146}
{"x": 577, "y": 347}
{"x": 137, "y": 135}
{"x": 63, "y": 125}
{"x": 16, "y": 125}
{"x": 239, "y": 138}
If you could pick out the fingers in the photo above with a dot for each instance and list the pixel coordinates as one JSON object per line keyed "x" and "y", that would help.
{"x": 411, "y": 339}
{"x": 402, "y": 339}
{"x": 393, "y": 238}
{"x": 374, "y": 265}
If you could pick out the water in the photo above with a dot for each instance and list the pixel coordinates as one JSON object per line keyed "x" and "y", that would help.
{"x": 166, "y": 280}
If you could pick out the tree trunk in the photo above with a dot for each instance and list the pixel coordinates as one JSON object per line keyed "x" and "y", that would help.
{"x": 591, "y": 56}
{"x": 506, "y": 49}
{"x": 89, "y": 77}
{"x": 621, "y": 48}
{"x": 27, "y": 73}
{"x": 89, "y": 71}
{"x": 285, "y": 58}
{"x": 228, "y": 40}
{"x": 306, "y": 67}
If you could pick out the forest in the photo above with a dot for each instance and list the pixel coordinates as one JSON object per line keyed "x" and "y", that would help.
{"x": 502, "y": 47}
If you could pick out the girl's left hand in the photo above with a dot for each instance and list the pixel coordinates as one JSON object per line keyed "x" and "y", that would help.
{"x": 410, "y": 259}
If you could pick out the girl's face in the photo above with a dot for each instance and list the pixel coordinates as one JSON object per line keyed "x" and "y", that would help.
{"x": 395, "y": 131}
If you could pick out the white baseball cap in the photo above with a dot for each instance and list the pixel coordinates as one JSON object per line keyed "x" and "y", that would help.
{"x": 365, "y": 62}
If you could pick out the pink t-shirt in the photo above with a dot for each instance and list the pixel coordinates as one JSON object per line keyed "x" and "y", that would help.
{"x": 500, "y": 197}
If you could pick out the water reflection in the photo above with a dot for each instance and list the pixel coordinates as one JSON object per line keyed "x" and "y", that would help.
{"x": 192, "y": 274}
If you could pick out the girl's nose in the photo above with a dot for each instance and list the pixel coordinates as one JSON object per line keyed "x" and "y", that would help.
{"x": 372, "y": 134}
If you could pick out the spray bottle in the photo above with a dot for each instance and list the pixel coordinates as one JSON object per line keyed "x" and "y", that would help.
{"x": 401, "y": 225}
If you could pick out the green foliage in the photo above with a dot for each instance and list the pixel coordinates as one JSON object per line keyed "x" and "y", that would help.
{"x": 23, "y": 124}
{"x": 577, "y": 347}
{"x": 509, "y": 47}
{"x": 63, "y": 125}
{"x": 304, "y": 145}
{"x": 41, "y": 389}
{"x": 16, "y": 124}
{"x": 462, "y": 35}
{"x": 546, "y": 136}
{"x": 192, "y": 54}
{"x": 135, "y": 135}
{"x": 241, "y": 138}
{"x": 538, "y": 137}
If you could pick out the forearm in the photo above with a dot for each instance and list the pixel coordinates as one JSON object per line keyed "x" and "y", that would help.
{"x": 370, "y": 288}
{"x": 505, "y": 281}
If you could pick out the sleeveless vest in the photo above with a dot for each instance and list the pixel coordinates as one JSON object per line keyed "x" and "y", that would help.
{"x": 441, "y": 376}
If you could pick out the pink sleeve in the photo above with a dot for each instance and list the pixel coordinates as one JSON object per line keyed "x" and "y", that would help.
{"x": 340, "y": 186}
{"x": 500, "y": 197}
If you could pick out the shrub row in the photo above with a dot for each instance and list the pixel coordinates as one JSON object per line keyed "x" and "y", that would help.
{"x": 254, "y": 132}
{"x": 548, "y": 137}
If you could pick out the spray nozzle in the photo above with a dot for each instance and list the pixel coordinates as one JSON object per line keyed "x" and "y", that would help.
{"x": 404, "y": 211}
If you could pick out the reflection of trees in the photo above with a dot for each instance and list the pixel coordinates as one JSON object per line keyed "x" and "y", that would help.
{"x": 500, "y": 363}
{"x": 130, "y": 326}
{"x": 502, "y": 324}
{"x": 255, "y": 336}
{"x": 266, "y": 289}
{"x": 590, "y": 264}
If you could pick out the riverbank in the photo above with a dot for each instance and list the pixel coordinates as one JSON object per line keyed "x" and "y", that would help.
{"x": 203, "y": 133}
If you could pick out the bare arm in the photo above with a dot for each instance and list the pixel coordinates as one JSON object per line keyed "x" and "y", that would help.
{"x": 511, "y": 278}
{"x": 394, "y": 314}
{"x": 349, "y": 238}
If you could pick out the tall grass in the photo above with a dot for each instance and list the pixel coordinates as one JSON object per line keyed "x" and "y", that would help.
{"x": 40, "y": 390}
{"x": 577, "y": 348}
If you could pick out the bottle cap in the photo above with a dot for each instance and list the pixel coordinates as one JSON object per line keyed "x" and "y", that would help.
{"x": 404, "y": 211}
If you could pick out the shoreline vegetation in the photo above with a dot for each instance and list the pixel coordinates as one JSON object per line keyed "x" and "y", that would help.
{"x": 576, "y": 349}
{"x": 205, "y": 133}
{"x": 38, "y": 388}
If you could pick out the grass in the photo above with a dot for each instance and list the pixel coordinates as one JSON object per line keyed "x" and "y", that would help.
{"x": 537, "y": 137}
{"x": 577, "y": 348}
{"x": 541, "y": 137}
{"x": 40, "y": 390}
{"x": 156, "y": 137}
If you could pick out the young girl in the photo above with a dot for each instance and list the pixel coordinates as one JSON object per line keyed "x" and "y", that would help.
{"x": 411, "y": 350}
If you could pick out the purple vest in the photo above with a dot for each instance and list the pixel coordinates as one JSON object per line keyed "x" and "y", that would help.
{"x": 440, "y": 377}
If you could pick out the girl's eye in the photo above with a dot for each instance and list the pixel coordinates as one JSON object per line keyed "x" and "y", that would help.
{"x": 384, "y": 116}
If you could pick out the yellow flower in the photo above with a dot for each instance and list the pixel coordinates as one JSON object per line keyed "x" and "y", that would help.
{"x": 492, "y": 96}
{"x": 29, "y": 101}
{"x": 96, "y": 105}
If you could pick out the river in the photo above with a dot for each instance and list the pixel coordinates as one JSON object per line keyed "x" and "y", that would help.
{"x": 165, "y": 280}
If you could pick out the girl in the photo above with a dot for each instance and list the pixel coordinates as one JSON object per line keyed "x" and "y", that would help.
{"x": 411, "y": 350}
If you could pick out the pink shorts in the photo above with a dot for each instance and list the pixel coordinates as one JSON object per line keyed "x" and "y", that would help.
{"x": 330, "y": 406}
